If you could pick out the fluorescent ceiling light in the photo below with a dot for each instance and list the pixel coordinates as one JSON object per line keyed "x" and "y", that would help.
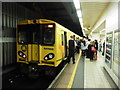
{"x": 102, "y": 30}
{"x": 81, "y": 22}
{"x": 77, "y": 4}
{"x": 79, "y": 13}
{"x": 85, "y": 29}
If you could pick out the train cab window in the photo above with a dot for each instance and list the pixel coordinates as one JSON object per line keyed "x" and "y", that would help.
{"x": 22, "y": 37}
{"x": 29, "y": 34}
{"x": 35, "y": 37}
{"x": 48, "y": 34}
{"x": 36, "y": 34}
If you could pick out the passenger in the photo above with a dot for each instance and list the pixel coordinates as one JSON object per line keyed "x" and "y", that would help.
{"x": 84, "y": 41}
{"x": 103, "y": 49}
{"x": 96, "y": 45}
{"x": 83, "y": 48}
{"x": 72, "y": 46}
{"x": 87, "y": 43}
{"x": 100, "y": 46}
{"x": 90, "y": 52}
{"x": 78, "y": 45}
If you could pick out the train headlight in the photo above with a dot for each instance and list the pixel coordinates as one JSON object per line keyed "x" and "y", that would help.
{"x": 21, "y": 54}
{"x": 24, "y": 56}
{"x": 46, "y": 58}
{"x": 49, "y": 56}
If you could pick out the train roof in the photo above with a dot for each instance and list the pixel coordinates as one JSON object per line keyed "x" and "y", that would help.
{"x": 37, "y": 21}
{"x": 44, "y": 21}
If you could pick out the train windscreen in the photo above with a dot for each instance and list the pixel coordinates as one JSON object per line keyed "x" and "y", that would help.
{"x": 29, "y": 34}
{"x": 36, "y": 34}
{"x": 48, "y": 34}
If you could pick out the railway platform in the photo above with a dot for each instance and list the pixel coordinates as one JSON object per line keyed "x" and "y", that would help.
{"x": 84, "y": 74}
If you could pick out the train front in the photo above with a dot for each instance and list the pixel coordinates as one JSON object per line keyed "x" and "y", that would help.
{"x": 35, "y": 45}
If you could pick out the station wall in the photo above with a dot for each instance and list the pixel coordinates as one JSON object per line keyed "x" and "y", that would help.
{"x": 110, "y": 16}
{"x": 12, "y": 13}
{"x": 95, "y": 36}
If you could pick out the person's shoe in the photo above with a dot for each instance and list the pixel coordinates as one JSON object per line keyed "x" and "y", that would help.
{"x": 73, "y": 62}
{"x": 91, "y": 59}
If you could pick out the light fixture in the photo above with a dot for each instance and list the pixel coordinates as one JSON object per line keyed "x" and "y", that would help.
{"x": 77, "y": 4}
{"x": 102, "y": 30}
{"x": 85, "y": 29}
{"x": 79, "y": 13}
{"x": 50, "y": 26}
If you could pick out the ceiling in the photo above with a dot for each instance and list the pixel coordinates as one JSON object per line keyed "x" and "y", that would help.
{"x": 100, "y": 28}
{"x": 65, "y": 14}
{"x": 91, "y": 12}
{"x": 62, "y": 12}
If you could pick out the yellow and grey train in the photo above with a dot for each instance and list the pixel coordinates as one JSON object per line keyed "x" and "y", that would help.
{"x": 41, "y": 45}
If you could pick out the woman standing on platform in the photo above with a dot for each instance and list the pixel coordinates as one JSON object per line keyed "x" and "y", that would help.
{"x": 90, "y": 52}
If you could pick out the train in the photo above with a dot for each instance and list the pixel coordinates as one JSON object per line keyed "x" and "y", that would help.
{"x": 41, "y": 45}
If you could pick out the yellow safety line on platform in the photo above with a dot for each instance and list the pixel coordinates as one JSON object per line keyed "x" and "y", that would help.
{"x": 74, "y": 71}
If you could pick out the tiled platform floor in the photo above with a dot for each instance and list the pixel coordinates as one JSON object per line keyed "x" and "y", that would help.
{"x": 94, "y": 76}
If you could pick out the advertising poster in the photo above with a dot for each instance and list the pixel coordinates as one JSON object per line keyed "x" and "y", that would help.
{"x": 116, "y": 53}
{"x": 108, "y": 56}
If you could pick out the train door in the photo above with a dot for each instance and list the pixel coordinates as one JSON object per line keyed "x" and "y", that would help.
{"x": 65, "y": 43}
{"x": 34, "y": 52}
{"x": 33, "y": 46}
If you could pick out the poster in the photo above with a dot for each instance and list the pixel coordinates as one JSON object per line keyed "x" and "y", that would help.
{"x": 108, "y": 56}
{"x": 116, "y": 53}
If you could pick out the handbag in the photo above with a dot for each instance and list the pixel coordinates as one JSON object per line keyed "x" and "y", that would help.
{"x": 93, "y": 49}
{"x": 95, "y": 56}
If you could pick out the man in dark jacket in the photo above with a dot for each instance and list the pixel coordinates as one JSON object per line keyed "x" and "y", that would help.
{"x": 96, "y": 46}
{"x": 71, "y": 46}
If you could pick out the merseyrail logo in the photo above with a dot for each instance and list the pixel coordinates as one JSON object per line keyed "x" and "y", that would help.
{"x": 48, "y": 48}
